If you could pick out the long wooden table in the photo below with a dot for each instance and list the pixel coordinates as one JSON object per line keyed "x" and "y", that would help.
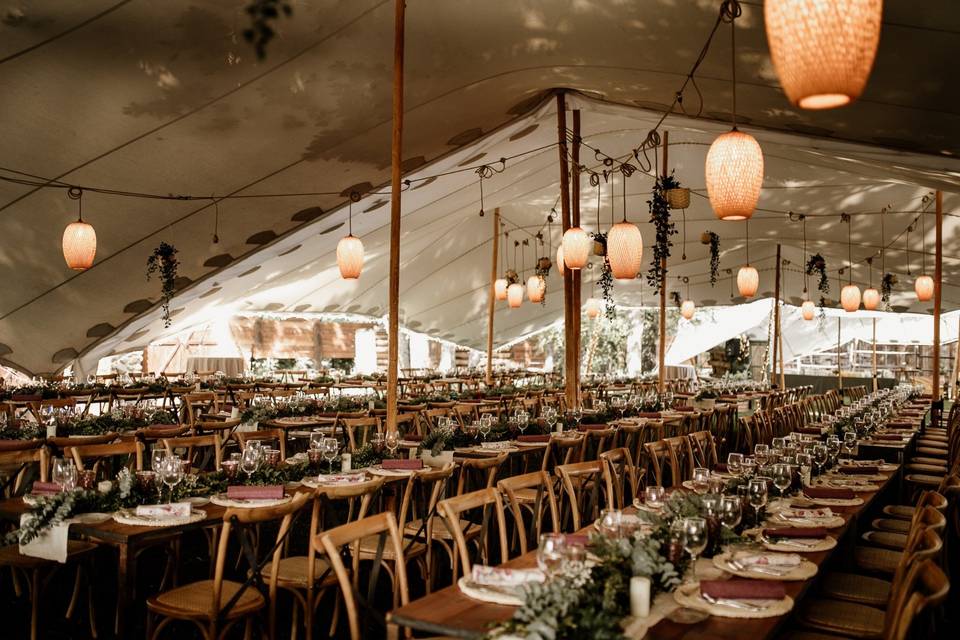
{"x": 449, "y": 612}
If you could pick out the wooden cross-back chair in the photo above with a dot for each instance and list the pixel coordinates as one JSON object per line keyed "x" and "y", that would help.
{"x": 723, "y": 429}
{"x": 620, "y": 478}
{"x": 20, "y": 463}
{"x": 471, "y": 512}
{"x": 200, "y": 405}
{"x": 580, "y": 484}
{"x": 203, "y": 452}
{"x": 702, "y": 450}
{"x": 663, "y": 468}
{"x": 531, "y": 493}
{"x": 96, "y": 456}
{"x": 595, "y": 442}
{"x": 277, "y": 436}
{"x": 359, "y": 431}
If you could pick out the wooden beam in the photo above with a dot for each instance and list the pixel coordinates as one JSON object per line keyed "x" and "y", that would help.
{"x": 662, "y": 346}
{"x": 937, "y": 280}
{"x": 956, "y": 364}
{"x": 776, "y": 320}
{"x": 569, "y": 326}
{"x": 575, "y": 221}
{"x": 493, "y": 294}
{"x": 396, "y": 159}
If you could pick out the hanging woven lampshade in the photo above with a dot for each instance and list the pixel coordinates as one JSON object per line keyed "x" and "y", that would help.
{"x": 850, "y": 298}
{"x": 871, "y": 299}
{"x": 924, "y": 288}
{"x": 79, "y": 245}
{"x": 592, "y": 307}
{"x": 515, "y": 295}
{"x": 350, "y": 257}
{"x": 687, "y": 309}
{"x": 576, "y": 248}
{"x": 807, "y": 309}
{"x": 500, "y": 288}
{"x": 748, "y": 281}
{"x": 560, "y": 265}
{"x": 823, "y": 51}
{"x": 625, "y": 250}
{"x": 536, "y": 287}
{"x": 734, "y": 173}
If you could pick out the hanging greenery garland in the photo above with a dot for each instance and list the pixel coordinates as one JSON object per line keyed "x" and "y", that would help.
{"x": 163, "y": 261}
{"x": 886, "y": 288}
{"x": 816, "y": 264}
{"x": 713, "y": 240}
{"x": 660, "y": 217}
{"x": 262, "y": 15}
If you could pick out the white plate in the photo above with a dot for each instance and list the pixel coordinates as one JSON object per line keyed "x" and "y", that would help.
{"x": 222, "y": 500}
{"x": 803, "y": 571}
{"x": 197, "y": 501}
{"x": 805, "y": 545}
{"x": 688, "y": 595}
{"x": 92, "y": 518}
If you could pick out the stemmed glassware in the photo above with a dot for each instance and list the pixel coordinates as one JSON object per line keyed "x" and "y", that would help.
{"x": 820, "y": 455}
{"x": 392, "y": 441}
{"x": 782, "y": 477}
{"x": 653, "y": 497}
{"x": 523, "y": 420}
{"x": 701, "y": 480}
{"x": 329, "y": 448}
{"x": 611, "y": 521}
{"x": 171, "y": 472}
{"x": 761, "y": 453}
{"x": 694, "y": 539}
{"x": 250, "y": 459}
{"x": 730, "y": 511}
{"x": 550, "y": 417}
{"x": 550, "y": 553}
{"x": 757, "y": 495}
{"x": 735, "y": 463}
{"x": 849, "y": 443}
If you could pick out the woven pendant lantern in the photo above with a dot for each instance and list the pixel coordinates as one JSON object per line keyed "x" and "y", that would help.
{"x": 807, "y": 309}
{"x": 500, "y": 288}
{"x": 871, "y": 299}
{"x": 561, "y": 267}
{"x": 350, "y": 248}
{"x": 748, "y": 281}
{"x": 625, "y": 250}
{"x": 924, "y": 288}
{"x": 536, "y": 287}
{"x": 576, "y": 248}
{"x": 687, "y": 309}
{"x": 734, "y": 172}
{"x": 515, "y": 295}
{"x": 592, "y": 307}
{"x": 823, "y": 50}
{"x": 79, "y": 242}
{"x": 850, "y": 298}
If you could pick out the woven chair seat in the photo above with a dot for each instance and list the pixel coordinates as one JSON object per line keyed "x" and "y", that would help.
{"x": 935, "y": 440}
{"x": 939, "y": 462}
{"x": 292, "y": 571}
{"x": 900, "y": 511}
{"x": 875, "y": 559}
{"x": 887, "y": 539}
{"x": 927, "y": 469}
{"x": 10, "y": 555}
{"x": 931, "y": 451}
{"x": 440, "y": 531}
{"x": 368, "y": 549}
{"x": 854, "y": 587}
{"x": 847, "y": 618}
{"x": 195, "y": 601}
{"x": 924, "y": 480}
{"x": 892, "y": 525}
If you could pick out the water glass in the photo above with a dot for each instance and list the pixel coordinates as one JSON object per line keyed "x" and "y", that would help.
{"x": 701, "y": 480}
{"x": 653, "y": 497}
{"x": 735, "y": 463}
{"x": 550, "y": 552}
{"x": 782, "y": 477}
{"x": 611, "y": 521}
{"x": 694, "y": 539}
{"x": 730, "y": 511}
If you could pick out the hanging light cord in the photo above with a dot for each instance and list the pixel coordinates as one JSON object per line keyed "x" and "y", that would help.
{"x": 216, "y": 221}
{"x": 923, "y": 244}
{"x": 624, "y": 197}
{"x": 732, "y": 11}
{"x": 76, "y": 193}
{"x": 746, "y": 223}
{"x": 806, "y": 278}
{"x": 849, "y": 221}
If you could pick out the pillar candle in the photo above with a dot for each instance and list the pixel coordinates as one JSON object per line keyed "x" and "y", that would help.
{"x": 640, "y": 596}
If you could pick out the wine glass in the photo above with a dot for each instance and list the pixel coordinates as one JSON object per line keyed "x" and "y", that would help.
{"x": 820, "y": 456}
{"x": 694, "y": 539}
{"x": 56, "y": 473}
{"x": 782, "y": 477}
{"x": 833, "y": 449}
{"x": 701, "y": 480}
{"x": 392, "y": 441}
{"x": 761, "y": 453}
{"x": 69, "y": 476}
{"x": 735, "y": 463}
{"x": 249, "y": 460}
{"x": 730, "y": 511}
{"x": 316, "y": 436}
{"x": 849, "y": 443}
{"x": 171, "y": 472}
{"x": 523, "y": 419}
{"x": 550, "y": 552}
{"x": 577, "y": 415}
{"x": 749, "y": 465}
{"x": 757, "y": 494}
{"x": 610, "y": 522}
{"x": 653, "y": 497}
{"x": 550, "y": 417}
{"x": 330, "y": 448}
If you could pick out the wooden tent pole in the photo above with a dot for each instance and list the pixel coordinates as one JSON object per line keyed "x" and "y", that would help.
{"x": 662, "y": 347}
{"x": 874, "y": 365}
{"x": 956, "y": 364}
{"x": 776, "y": 320}
{"x": 569, "y": 328}
{"x": 783, "y": 378}
{"x": 575, "y": 221}
{"x": 396, "y": 158}
{"x": 839, "y": 363}
{"x": 937, "y": 281}
{"x": 493, "y": 294}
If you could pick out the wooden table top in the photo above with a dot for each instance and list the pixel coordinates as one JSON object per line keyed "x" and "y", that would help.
{"x": 450, "y": 612}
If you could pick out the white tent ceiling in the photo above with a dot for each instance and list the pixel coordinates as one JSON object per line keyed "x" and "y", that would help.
{"x": 167, "y": 98}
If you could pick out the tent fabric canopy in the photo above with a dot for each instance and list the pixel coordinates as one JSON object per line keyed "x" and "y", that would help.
{"x": 179, "y": 105}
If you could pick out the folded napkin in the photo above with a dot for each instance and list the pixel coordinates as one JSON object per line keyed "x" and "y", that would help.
{"x": 268, "y": 492}
{"x": 649, "y": 414}
{"x": 592, "y": 427}
{"x": 743, "y": 589}
{"x": 795, "y": 532}
{"x": 544, "y": 438}
{"x": 767, "y": 559}
{"x": 52, "y": 542}
{"x": 720, "y": 467}
{"x": 45, "y": 488}
{"x": 829, "y": 492}
{"x": 859, "y": 470}
{"x": 888, "y": 436}
{"x": 495, "y": 446}
{"x": 504, "y": 577}
{"x": 402, "y": 464}
{"x": 342, "y": 478}
{"x": 173, "y": 510}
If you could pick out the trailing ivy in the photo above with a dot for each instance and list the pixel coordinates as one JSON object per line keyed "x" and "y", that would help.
{"x": 163, "y": 262}
{"x": 886, "y": 288}
{"x": 606, "y": 286}
{"x": 660, "y": 217}
{"x": 817, "y": 265}
{"x": 714, "y": 242}
{"x": 262, "y": 14}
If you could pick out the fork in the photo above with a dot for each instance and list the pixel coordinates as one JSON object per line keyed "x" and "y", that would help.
{"x": 736, "y": 604}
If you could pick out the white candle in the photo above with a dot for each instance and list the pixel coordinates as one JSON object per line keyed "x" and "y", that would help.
{"x": 346, "y": 462}
{"x": 639, "y": 596}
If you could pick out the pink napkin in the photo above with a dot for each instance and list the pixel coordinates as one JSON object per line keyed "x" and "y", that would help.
{"x": 743, "y": 589}
{"x": 532, "y": 438}
{"x": 269, "y": 492}
{"x": 407, "y": 465}
{"x": 829, "y": 492}
{"x": 45, "y": 488}
{"x": 795, "y": 532}
{"x": 865, "y": 471}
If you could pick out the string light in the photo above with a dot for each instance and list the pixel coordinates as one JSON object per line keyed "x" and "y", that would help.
{"x": 350, "y": 248}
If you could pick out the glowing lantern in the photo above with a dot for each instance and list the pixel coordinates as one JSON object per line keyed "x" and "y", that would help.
{"x": 734, "y": 174}
{"x": 350, "y": 257}
{"x": 593, "y": 307}
{"x": 576, "y": 248}
{"x": 500, "y": 288}
{"x": 850, "y": 298}
{"x": 79, "y": 245}
{"x": 924, "y": 288}
{"x": 748, "y": 281}
{"x": 515, "y": 295}
{"x": 687, "y": 309}
{"x": 560, "y": 265}
{"x": 823, "y": 50}
{"x": 625, "y": 250}
{"x": 536, "y": 287}
{"x": 871, "y": 299}
{"x": 807, "y": 309}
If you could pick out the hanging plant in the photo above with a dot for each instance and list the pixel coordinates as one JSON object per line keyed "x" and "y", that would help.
{"x": 163, "y": 262}
{"x": 660, "y": 217}
{"x": 712, "y": 239}
{"x": 262, "y": 14}
{"x": 675, "y": 296}
{"x": 817, "y": 265}
{"x": 886, "y": 288}
{"x": 606, "y": 285}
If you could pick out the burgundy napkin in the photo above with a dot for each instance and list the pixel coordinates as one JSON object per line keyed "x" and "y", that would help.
{"x": 268, "y": 492}
{"x": 25, "y": 397}
{"x": 829, "y": 492}
{"x": 404, "y": 464}
{"x": 720, "y": 467}
{"x": 649, "y": 414}
{"x": 413, "y": 437}
{"x": 888, "y": 436}
{"x": 743, "y": 589}
{"x": 45, "y": 488}
{"x": 814, "y": 431}
{"x": 864, "y": 471}
{"x": 592, "y": 427}
{"x": 795, "y": 532}
{"x": 532, "y": 438}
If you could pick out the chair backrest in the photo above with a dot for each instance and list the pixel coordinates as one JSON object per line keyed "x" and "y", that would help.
{"x": 459, "y": 509}
{"x": 359, "y": 431}
{"x": 264, "y": 435}
{"x": 580, "y": 483}
{"x": 563, "y": 448}
{"x": 478, "y": 472}
{"x": 422, "y": 492}
{"x": 94, "y": 454}
{"x": 199, "y": 450}
{"x": 333, "y": 541}
{"x": 923, "y": 585}
{"x": 595, "y": 442}
{"x": 702, "y": 450}
{"x": 543, "y": 484}
{"x": 198, "y": 404}
{"x": 37, "y": 454}
{"x": 663, "y": 467}
{"x": 619, "y": 478}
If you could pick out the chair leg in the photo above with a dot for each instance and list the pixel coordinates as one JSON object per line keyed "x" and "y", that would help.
{"x": 34, "y": 603}
{"x": 76, "y": 593}
{"x": 91, "y": 612}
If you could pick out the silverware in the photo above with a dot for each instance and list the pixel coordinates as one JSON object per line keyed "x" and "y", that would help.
{"x": 736, "y": 604}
